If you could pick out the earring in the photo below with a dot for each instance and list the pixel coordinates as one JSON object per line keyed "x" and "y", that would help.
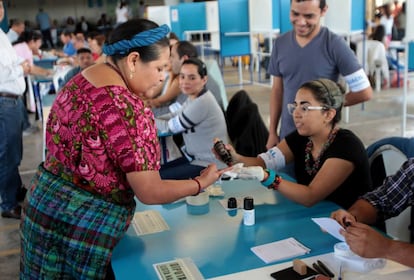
{"x": 131, "y": 75}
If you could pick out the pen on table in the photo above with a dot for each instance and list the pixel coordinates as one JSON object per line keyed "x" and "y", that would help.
{"x": 318, "y": 269}
{"x": 340, "y": 272}
{"x": 325, "y": 269}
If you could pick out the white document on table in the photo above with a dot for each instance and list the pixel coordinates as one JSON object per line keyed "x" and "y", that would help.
{"x": 279, "y": 250}
{"x": 149, "y": 221}
{"x": 331, "y": 226}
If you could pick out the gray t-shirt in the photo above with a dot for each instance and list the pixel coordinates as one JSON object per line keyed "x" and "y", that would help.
{"x": 204, "y": 121}
{"x": 326, "y": 56}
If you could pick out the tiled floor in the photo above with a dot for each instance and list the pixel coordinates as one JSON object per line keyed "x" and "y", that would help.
{"x": 380, "y": 117}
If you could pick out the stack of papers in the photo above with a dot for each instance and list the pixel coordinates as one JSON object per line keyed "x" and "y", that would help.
{"x": 280, "y": 250}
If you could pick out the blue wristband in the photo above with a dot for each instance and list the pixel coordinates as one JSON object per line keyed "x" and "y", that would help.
{"x": 270, "y": 179}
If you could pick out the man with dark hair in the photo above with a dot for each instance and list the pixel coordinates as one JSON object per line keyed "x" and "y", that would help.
{"x": 84, "y": 59}
{"x": 309, "y": 52}
{"x": 17, "y": 27}
{"x": 181, "y": 51}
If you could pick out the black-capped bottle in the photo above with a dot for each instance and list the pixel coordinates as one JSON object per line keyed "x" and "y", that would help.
{"x": 222, "y": 151}
{"x": 248, "y": 211}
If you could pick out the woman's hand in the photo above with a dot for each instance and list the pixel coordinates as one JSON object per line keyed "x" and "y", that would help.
{"x": 231, "y": 150}
{"x": 210, "y": 174}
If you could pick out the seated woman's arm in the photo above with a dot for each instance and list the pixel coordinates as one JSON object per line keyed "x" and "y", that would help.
{"x": 331, "y": 175}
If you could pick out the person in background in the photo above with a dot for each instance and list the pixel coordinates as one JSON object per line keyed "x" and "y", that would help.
{"x": 102, "y": 150}
{"x": 387, "y": 20}
{"x": 68, "y": 49}
{"x": 28, "y": 43}
{"x": 83, "y": 26}
{"x": 16, "y": 28}
{"x": 12, "y": 86}
{"x": 84, "y": 59}
{"x": 402, "y": 22}
{"x": 45, "y": 25}
{"x": 122, "y": 12}
{"x": 199, "y": 120}
{"x": 26, "y": 46}
{"x": 70, "y": 25}
{"x": 389, "y": 200}
{"x": 169, "y": 77}
{"x": 378, "y": 30}
{"x": 96, "y": 43}
{"x": 309, "y": 52}
{"x": 180, "y": 52}
{"x": 330, "y": 162}
{"x": 141, "y": 9}
{"x": 104, "y": 24}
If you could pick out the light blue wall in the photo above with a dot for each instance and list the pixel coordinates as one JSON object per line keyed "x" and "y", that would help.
{"x": 358, "y": 15}
{"x": 191, "y": 16}
{"x": 234, "y": 17}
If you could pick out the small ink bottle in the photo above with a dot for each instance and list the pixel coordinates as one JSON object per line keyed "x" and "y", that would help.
{"x": 222, "y": 152}
{"x": 248, "y": 211}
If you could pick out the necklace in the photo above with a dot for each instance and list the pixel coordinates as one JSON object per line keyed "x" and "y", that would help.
{"x": 312, "y": 169}
{"x": 116, "y": 69}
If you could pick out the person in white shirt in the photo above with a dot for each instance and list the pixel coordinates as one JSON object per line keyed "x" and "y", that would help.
{"x": 122, "y": 12}
{"x": 12, "y": 85}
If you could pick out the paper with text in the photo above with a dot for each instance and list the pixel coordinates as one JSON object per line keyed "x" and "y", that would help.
{"x": 149, "y": 221}
{"x": 279, "y": 250}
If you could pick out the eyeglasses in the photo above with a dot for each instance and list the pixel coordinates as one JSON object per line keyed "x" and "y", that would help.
{"x": 305, "y": 108}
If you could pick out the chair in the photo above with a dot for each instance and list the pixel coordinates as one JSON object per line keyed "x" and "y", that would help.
{"x": 214, "y": 73}
{"x": 245, "y": 126}
{"x": 376, "y": 63}
{"x": 385, "y": 157}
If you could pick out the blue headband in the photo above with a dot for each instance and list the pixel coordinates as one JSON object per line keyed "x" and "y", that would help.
{"x": 141, "y": 39}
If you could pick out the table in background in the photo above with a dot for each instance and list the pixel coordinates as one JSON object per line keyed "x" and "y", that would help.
{"x": 217, "y": 241}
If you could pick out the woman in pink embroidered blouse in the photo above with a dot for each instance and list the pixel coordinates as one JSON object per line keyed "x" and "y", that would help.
{"x": 102, "y": 150}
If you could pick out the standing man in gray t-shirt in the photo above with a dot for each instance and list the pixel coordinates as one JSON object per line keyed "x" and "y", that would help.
{"x": 305, "y": 53}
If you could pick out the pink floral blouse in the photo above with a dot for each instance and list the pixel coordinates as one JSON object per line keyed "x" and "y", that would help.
{"x": 95, "y": 136}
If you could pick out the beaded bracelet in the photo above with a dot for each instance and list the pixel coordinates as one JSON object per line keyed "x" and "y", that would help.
{"x": 199, "y": 186}
{"x": 276, "y": 183}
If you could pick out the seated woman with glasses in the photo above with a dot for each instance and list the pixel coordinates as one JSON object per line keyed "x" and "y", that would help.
{"x": 330, "y": 162}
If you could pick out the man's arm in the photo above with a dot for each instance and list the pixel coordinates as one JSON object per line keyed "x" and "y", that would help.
{"x": 361, "y": 211}
{"x": 352, "y": 98}
{"x": 360, "y": 89}
{"x": 276, "y": 101}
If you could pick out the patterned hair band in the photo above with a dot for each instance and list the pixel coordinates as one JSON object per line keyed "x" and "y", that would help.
{"x": 142, "y": 39}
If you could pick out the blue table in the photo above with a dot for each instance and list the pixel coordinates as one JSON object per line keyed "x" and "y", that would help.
{"x": 217, "y": 241}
